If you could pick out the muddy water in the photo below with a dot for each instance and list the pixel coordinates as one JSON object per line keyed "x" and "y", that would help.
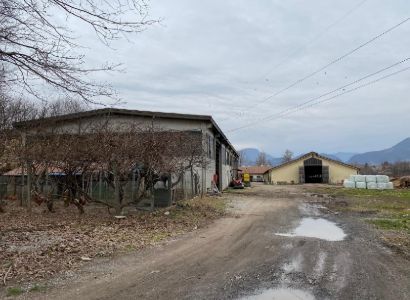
{"x": 317, "y": 228}
{"x": 282, "y": 294}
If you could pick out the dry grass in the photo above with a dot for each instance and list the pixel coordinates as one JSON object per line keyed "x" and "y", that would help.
{"x": 39, "y": 245}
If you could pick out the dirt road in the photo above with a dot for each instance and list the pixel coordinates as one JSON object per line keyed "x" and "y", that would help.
{"x": 242, "y": 257}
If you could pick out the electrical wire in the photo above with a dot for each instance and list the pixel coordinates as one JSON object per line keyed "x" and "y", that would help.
{"x": 315, "y": 38}
{"x": 314, "y": 101}
{"x": 266, "y": 99}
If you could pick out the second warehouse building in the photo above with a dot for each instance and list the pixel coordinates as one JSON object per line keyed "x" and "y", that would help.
{"x": 310, "y": 168}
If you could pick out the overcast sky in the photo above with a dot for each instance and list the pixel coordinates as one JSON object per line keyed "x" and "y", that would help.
{"x": 223, "y": 58}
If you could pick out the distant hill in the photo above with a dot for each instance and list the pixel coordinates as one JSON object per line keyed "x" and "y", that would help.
{"x": 332, "y": 156}
{"x": 399, "y": 152}
{"x": 251, "y": 154}
{"x": 341, "y": 156}
{"x": 345, "y": 156}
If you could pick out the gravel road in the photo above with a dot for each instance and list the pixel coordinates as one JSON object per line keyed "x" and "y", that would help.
{"x": 274, "y": 246}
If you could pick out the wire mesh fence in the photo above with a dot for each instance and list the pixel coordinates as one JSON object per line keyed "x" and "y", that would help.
{"x": 95, "y": 187}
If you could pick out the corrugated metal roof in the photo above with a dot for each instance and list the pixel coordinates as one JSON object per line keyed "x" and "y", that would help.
{"x": 116, "y": 111}
{"x": 38, "y": 170}
{"x": 255, "y": 169}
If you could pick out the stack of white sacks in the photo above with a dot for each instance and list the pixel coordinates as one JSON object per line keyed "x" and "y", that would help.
{"x": 371, "y": 182}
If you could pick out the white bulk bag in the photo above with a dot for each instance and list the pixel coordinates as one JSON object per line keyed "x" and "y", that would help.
{"x": 371, "y": 178}
{"x": 361, "y": 185}
{"x": 360, "y": 178}
{"x": 382, "y": 185}
{"x": 372, "y": 186}
{"x": 382, "y": 178}
{"x": 349, "y": 184}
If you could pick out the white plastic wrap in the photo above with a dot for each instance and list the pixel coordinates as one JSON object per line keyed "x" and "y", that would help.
{"x": 390, "y": 186}
{"x": 382, "y": 179}
{"x": 372, "y": 186}
{"x": 349, "y": 184}
{"x": 382, "y": 185}
{"x": 371, "y": 178}
{"x": 360, "y": 178}
{"x": 352, "y": 178}
{"x": 361, "y": 185}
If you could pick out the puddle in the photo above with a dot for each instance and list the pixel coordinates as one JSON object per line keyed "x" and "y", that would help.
{"x": 282, "y": 294}
{"x": 317, "y": 228}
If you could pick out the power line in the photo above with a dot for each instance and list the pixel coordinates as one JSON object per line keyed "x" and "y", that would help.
{"x": 349, "y": 84}
{"x": 349, "y": 91}
{"x": 329, "y": 64}
{"x": 316, "y": 37}
{"x": 343, "y": 88}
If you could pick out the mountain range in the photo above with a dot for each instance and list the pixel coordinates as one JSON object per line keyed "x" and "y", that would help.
{"x": 399, "y": 152}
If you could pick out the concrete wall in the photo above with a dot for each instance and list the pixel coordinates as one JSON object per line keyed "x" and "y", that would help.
{"x": 121, "y": 122}
{"x": 290, "y": 173}
{"x": 337, "y": 172}
{"x": 124, "y": 122}
{"x": 228, "y": 164}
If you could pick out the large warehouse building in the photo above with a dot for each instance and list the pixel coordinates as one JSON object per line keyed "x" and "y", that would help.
{"x": 310, "y": 168}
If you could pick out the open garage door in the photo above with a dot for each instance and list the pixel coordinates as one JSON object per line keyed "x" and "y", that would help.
{"x": 313, "y": 170}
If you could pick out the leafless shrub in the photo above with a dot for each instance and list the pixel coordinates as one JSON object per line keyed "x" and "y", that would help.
{"x": 145, "y": 151}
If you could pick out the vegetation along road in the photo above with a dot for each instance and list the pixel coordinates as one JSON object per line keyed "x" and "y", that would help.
{"x": 277, "y": 242}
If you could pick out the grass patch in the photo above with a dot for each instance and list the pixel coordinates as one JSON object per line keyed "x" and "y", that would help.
{"x": 364, "y": 193}
{"x": 399, "y": 223}
{"x": 14, "y": 291}
{"x": 37, "y": 288}
{"x": 377, "y": 201}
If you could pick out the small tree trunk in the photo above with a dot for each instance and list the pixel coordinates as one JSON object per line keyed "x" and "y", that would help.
{"x": 192, "y": 182}
{"x": 50, "y": 204}
{"x": 79, "y": 206}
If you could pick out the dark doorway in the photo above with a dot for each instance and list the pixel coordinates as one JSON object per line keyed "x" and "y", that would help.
{"x": 218, "y": 164}
{"x": 313, "y": 170}
{"x": 313, "y": 174}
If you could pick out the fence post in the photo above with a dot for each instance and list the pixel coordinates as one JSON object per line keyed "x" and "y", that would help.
{"x": 22, "y": 196}
{"x": 118, "y": 208}
{"x": 133, "y": 186}
{"x": 91, "y": 186}
{"x": 100, "y": 186}
{"x": 29, "y": 169}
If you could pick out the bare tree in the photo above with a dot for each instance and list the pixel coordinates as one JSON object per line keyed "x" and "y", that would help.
{"x": 287, "y": 156}
{"x": 118, "y": 153}
{"x": 36, "y": 45}
{"x": 261, "y": 160}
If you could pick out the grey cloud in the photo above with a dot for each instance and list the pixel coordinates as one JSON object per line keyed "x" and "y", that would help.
{"x": 218, "y": 57}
